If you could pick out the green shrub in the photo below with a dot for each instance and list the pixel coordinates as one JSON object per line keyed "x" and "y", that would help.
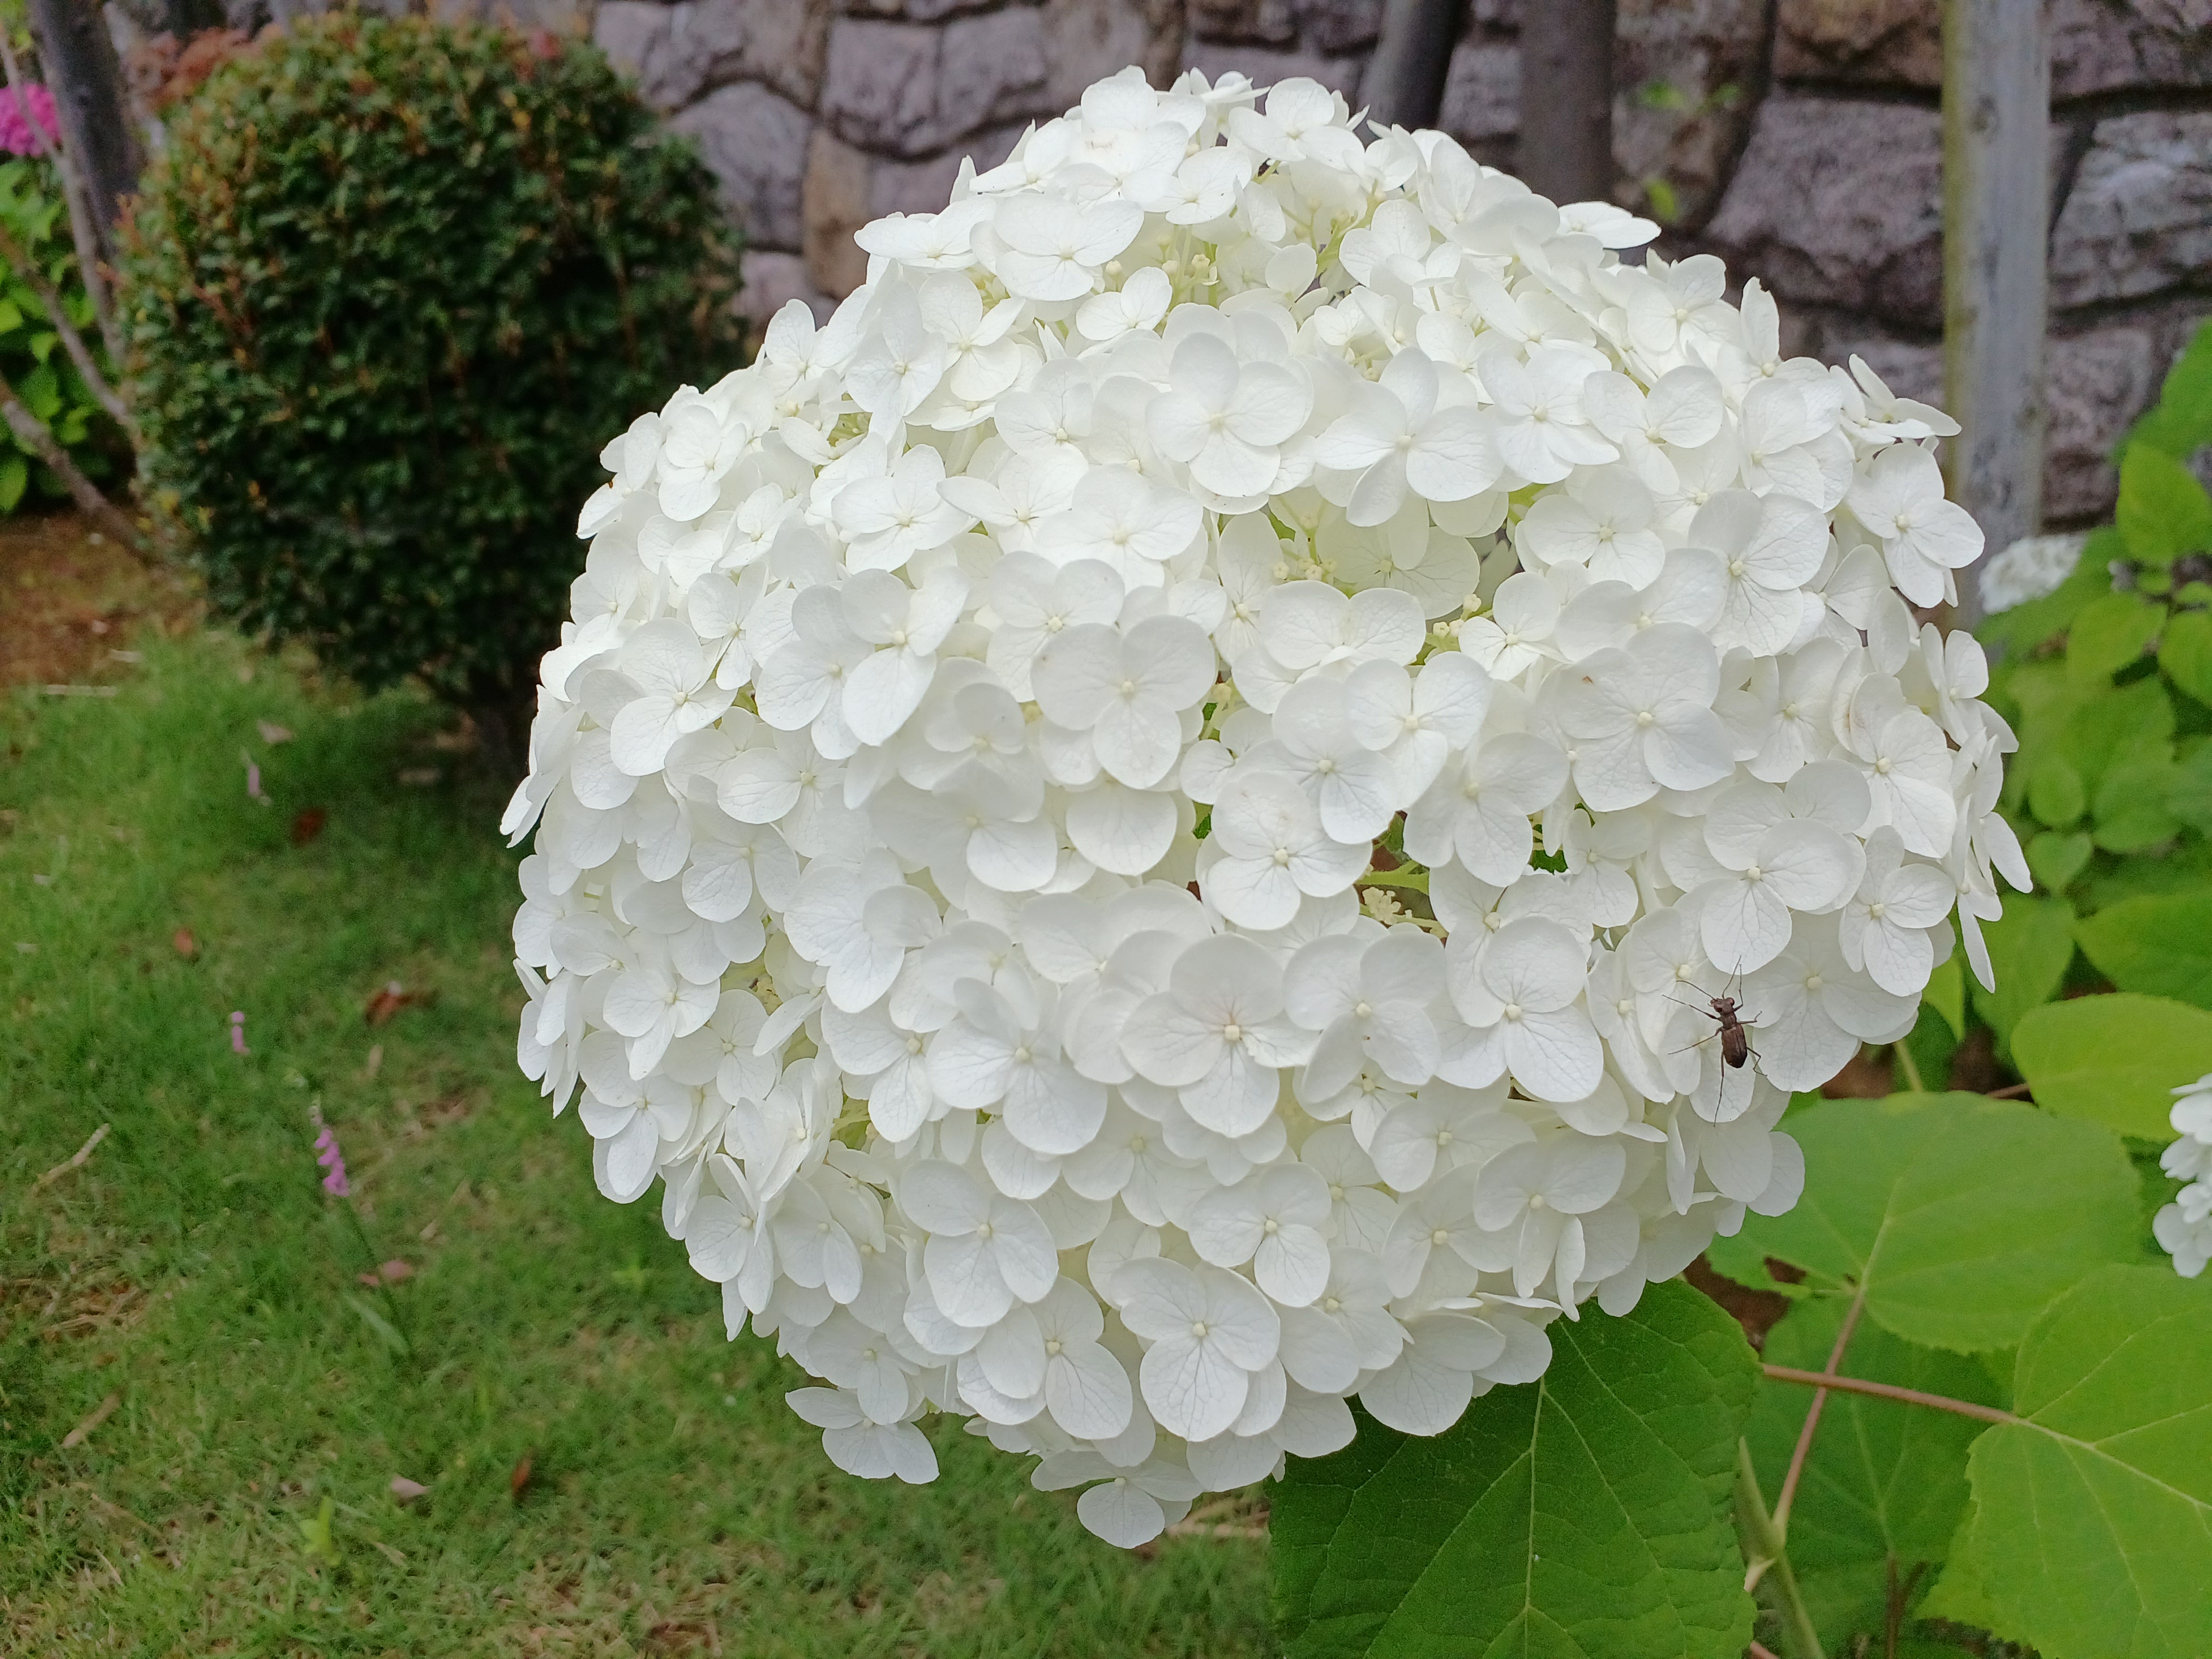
{"x": 390, "y": 289}
{"x": 2108, "y": 682}
{"x": 30, "y": 351}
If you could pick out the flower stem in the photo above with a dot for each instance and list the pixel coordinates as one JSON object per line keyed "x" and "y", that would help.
{"x": 376, "y": 1267}
{"x": 1804, "y": 1447}
{"x": 1890, "y": 1391}
{"x": 1909, "y": 1067}
{"x": 1770, "y": 1560}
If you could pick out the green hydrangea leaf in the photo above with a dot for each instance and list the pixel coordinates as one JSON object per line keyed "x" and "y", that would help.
{"x": 2131, "y": 810}
{"x": 1884, "y": 1482}
{"x": 2107, "y": 635}
{"x": 2180, "y": 421}
{"x": 1964, "y": 1216}
{"x": 1957, "y": 1594}
{"x": 2185, "y": 653}
{"x": 41, "y": 391}
{"x": 2135, "y": 721}
{"x": 2114, "y": 1059}
{"x": 2163, "y": 511}
{"x": 1581, "y": 1517}
{"x": 2055, "y": 793}
{"x": 2055, "y": 859}
{"x": 1947, "y": 993}
{"x": 2189, "y": 797}
{"x": 2161, "y": 946}
{"x": 2030, "y": 946}
{"x": 2093, "y": 1518}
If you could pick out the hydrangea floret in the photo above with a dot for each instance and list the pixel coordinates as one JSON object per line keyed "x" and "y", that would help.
{"x": 1142, "y": 828}
{"x": 2183, "y": 1228}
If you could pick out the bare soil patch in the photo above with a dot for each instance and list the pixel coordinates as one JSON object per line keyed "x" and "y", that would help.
{"x": 71, "y": 601}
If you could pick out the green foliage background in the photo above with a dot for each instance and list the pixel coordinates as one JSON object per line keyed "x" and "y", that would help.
{"x": 30, "y": 351}
{"x": 391, "y": 286}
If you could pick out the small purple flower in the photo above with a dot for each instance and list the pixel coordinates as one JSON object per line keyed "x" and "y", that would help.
{"x": 333, "y": 1162}
{"x": 252, "y": 777}
{"x": 238, "y": 1032}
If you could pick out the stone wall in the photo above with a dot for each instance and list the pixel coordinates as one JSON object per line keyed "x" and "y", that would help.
{"x": 1798, "y": 138}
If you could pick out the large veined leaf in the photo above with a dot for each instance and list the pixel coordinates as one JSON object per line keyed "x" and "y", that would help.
{"x": 2108, "y": 635}
{"x": 2163, "y": 512}
{"x": 2180, "y": 421}
{"x": 1964, "y": 1217}
{"x": 1884, "y": 1483}
{"x": 2161, "y": 946}
{"x": 2030, "y": 946}
{"x": 2092, "y": 1534}
{"x": 1581, "y": 1517}
{"x": 2116, "y": 1059}
{"x": 2185, "y": 653}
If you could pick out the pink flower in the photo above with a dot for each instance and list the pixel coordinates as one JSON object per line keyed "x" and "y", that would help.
{"x": 238, "y": 1033}
{"x": 333, "y": 1162}
{"x": 16, "y": 136}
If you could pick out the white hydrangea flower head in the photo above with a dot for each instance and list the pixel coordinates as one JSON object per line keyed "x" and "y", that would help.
{"x": 2028, "y": 569}
{"x": 1152, "y": 827}
{"x": 2183, "y": 1228}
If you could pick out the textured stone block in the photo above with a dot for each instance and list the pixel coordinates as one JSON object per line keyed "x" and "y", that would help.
{"x": 1086, "y": 40}
{"x": 1686, "y": 71}
{"x": 2094, "y": 385}
{"x": 676, "y": 52}
{"x": 836, "y": 199}
{"x": 2100, "y": 45}
{"x": 1333, "y": 25}
{"x": 2096, "y": 46}
{"x": 1244, "y": 22}
{"x": 925, "y": 187}
{"x": 562, "y": 18}
{"x": 626, "y": 30}
{"x": 1877, "y": 42}
{"x": 1482, "y": 92}
{"x": 1839, "y": 202}
{"x": 772, "y": 281}
{"x": 1324, "y": 27}
{"x": 756, "y": 142}
{"x": 907, "y": 89}
{"x": 912, "y": 11}
{"x": 2139, "y": 216}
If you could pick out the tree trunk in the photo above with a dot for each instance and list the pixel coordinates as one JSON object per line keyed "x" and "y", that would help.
{"x": 1566, "y": 99}
{"x": 1997, "y": 219}
{"x": 1404, "y": 81}
{"x": 86, "y": 82}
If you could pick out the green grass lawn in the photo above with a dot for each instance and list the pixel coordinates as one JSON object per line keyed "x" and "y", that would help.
{"x": 193, "y": 1267}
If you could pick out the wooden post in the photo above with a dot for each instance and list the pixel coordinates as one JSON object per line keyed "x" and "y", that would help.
{"x": 1404, "y": 81}
{"x": 1996, "y": 232}
{"x": 85, "y": 78}
{"x": 1566, "y": 99}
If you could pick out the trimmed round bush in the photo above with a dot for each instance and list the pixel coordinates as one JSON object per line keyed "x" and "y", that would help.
{"x": 389, "y": 287}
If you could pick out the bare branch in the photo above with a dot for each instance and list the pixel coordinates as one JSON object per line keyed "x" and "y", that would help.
{"x": 33, "y": 432}
{"x": 72, "y": 341}
{"x": 1804, "y": 1448}
{"x": 69, "y": 1163}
